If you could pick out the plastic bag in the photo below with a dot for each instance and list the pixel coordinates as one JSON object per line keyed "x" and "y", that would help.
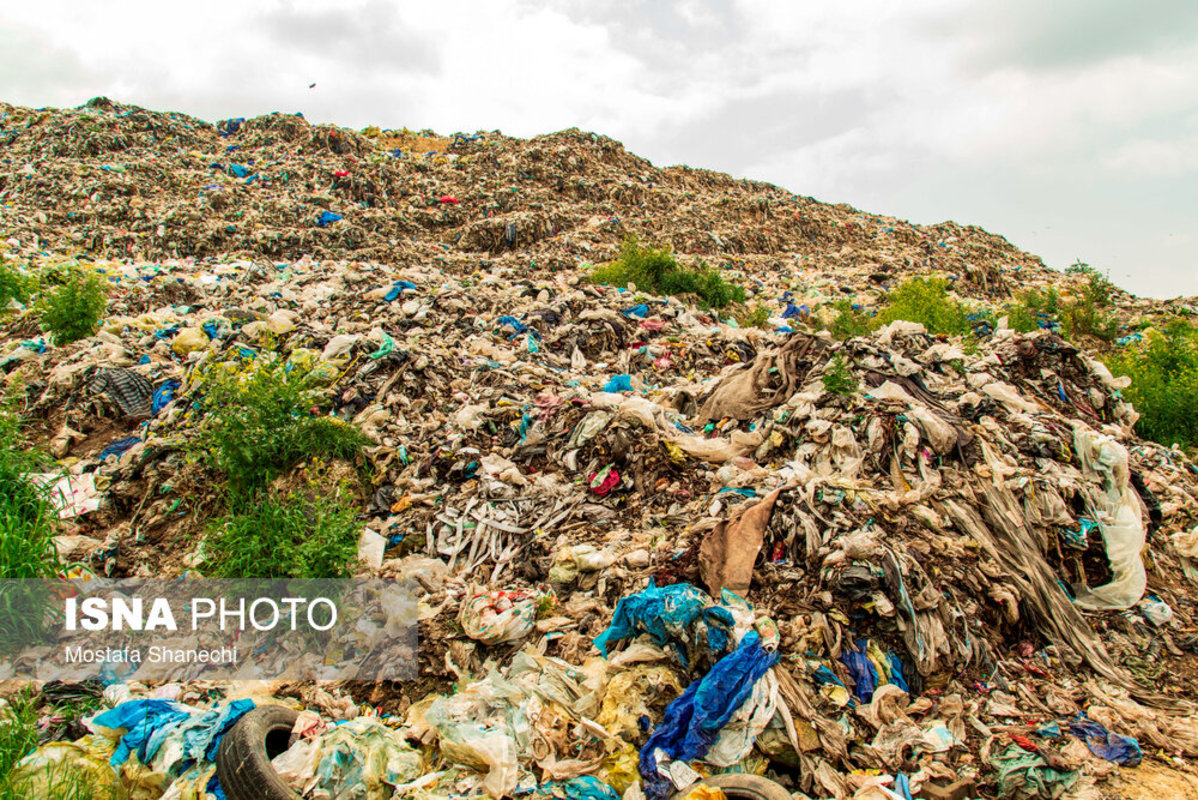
{"x": 58, "y": 767}
{"x": 498, "y": 617}
{"x": 357, "y": 760}
{"x": 1120, "y": 522}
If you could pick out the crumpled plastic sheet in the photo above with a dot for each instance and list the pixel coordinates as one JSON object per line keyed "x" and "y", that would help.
{"x": 694, "y": 721}
{"x": 584, "y": 787}
{"x": 1022, "y": 775}
{"x": 147, "y": 724}
{"x": 361, "y": 759}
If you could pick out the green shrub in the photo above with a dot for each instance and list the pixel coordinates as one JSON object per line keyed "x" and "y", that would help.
{"x": 657, "y": 271}
{"x": 926, "y": 300}
{"x": 257, "y": 422}
{"x": 302, "y": 534}
{"x": 72, "y": 310}
{"x": 15, "y": 285}
{"x": 756, "y": 317}
{"x": 838, "y": 378}
{"x": 849, "y": 322}
{"x": 1088, "y": 314}
{"x": 1164, "y": 382}
{"x": 1033, "y": 306}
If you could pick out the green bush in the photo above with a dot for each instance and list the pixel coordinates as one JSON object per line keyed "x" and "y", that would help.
{"x": 658, "y": 272}
{"x": 926, "y": 300}
{"x": 849, "y": 322}
{"x": 1033, "y": 306}
{"x": 756, "y": 317}
{"x": 838, "y": 378}
{"x": 15, "y": 285}
{"x": 1088, "y": 314}
{"x": 1164, "y": 382}
{"x": 72, "y": 310}
{"x": 257, "y": 422}
{"x": 302, "y": 534}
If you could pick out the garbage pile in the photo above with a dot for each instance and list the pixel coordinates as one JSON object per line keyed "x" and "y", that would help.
{"x": 127, "y": 183}
{"x": 654, "y": 548}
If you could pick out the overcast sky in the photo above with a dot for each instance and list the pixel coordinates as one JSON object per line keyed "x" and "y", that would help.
{"x": 1069, "y": 127}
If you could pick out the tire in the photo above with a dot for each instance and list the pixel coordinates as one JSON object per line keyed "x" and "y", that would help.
{"x": 243, "y": 758}
{"x": 739, "y": 787}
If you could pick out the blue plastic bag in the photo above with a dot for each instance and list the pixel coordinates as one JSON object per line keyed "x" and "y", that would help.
{"x": 119, "y": 446}
{"x": 584, "y": 787}
{"x": 163, "y": 395}
{"x": 666, "y": 614}
{"x": 694, "y": 720}
{"x": 327, "y": 218}
{"x": 398, "y": 288}
{"x": 862, "y": 671}
{"x": 1123, "y": 750}
{"x": 619, "y": 383}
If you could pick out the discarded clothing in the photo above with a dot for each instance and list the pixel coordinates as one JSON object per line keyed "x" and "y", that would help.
{"x": 127, "y": 389}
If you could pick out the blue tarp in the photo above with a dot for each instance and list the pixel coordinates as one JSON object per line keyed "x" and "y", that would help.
{"x": 149, "y": 723}
{"x": 327, "y": 218}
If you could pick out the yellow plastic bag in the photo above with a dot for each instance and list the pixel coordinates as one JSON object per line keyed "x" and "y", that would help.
{"x": 62, "y": 767}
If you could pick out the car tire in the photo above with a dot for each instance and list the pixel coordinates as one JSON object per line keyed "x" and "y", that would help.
{"x": 738, "y": 786}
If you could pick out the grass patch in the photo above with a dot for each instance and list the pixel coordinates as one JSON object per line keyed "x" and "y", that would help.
{"x": 311, "y": 533}
{"x": 658, "y": 272}
{"x": 15, "y": 285}
{"x": 62, "y": 781}
{"x": 18, "y": 730}
{"x": 27, "y": 519}
{"x": 926, "y": 301}
{"x": 1164, "y": 382}
{"x": 71, "y": 307}
{"x": 258, "y": 424}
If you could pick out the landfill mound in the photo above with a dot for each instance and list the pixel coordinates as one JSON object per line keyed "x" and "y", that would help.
{"x": 123, "y": 182}
{"x": 651, "y": 544}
